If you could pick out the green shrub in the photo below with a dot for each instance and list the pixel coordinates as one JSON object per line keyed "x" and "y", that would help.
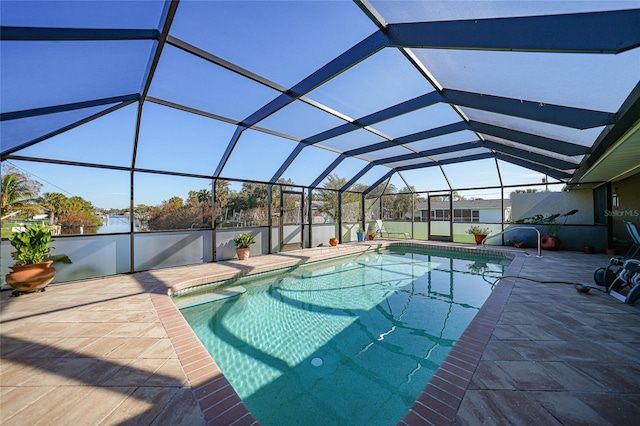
{"x": 32, "y": 246}
{"x": 244, "y": 241}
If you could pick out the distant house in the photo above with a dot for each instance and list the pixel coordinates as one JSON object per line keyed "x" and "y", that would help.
{"x": 466, "y": 211}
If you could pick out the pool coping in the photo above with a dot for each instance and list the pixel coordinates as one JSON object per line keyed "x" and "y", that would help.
{"x": 437, "y": 403}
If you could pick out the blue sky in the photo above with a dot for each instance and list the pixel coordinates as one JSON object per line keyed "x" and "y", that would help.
{"x": 283, "y": 42}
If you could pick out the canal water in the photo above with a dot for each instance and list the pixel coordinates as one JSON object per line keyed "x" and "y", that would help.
{"x": 116, "y": 223}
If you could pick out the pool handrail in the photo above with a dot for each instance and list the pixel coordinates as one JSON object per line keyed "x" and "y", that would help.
{"x": 511, "y": 229}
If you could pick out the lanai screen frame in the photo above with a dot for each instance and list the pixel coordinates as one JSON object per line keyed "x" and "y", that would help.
{"x": 401, "y": 36}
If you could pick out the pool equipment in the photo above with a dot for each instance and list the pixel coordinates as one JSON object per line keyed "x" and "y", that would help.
{"x": 627, "y": 274}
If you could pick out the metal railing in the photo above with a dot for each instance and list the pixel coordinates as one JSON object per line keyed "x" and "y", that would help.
{"x": 513, "y": 228}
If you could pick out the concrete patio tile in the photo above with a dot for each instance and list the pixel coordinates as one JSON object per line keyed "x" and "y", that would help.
{"x": 569, "y": 409}
{"x": 130, "y": 330}
{"x": 170, "y": 373}
{"x": 16, "y": 399}
{"x": 627, "y": 352}
{"x": 56, "y": 404}
{"x": 535, "y": 332}
{"x": 615, "y": 408}
{"x": 64, "y": 372}
{"x": 486, "y": 407}
{"x": 15, "y": 373}
{"x": 96, "y": 330}
{"x": 621, "y": 331}
{"x": 619, "y": 378}
{"x": 134, "y": 372}
{"x": 142, "y": 406}
{"x": 102, "y": 346}
{"x": 97, "y": 404}
{"x": 489, "y": 375}
{"x": 580, "y": 351}
{"x": 571, "y": 379}
{"x": 132, "y": 348}
{"x": 532, "y": 350}
{"x": 500, "y": 350}
{"x": 35, "y": 347}
{"x": 508, "y": 332}
{"x": 161, "y": 349}
{"x": 528, "y": 375}
{"x": 181, "y": 409}
{"x": 47, "y": 329}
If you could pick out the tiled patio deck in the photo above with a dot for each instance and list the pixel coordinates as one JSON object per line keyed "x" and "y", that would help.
{"x": 115, "y": 350}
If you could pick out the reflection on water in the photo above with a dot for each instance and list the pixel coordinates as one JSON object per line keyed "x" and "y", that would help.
{"x": 117, "y": 223}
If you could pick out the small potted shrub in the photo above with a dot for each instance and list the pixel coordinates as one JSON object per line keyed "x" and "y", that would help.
{"x": 32, "y": 270}
{"x": 478, "y": 233}
{"x": 243, "y": 244}
{"x": 360, "y": 233}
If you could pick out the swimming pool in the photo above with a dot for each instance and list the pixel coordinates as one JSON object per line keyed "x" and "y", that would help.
{"x": 348, "y": 341}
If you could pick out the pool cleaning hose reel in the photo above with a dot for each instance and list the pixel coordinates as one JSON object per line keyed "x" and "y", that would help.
{"x": 627, "y": 274}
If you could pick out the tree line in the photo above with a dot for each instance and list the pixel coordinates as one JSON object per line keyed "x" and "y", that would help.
{"x": 20, "y": 199}
{"x": 246, "y": 207}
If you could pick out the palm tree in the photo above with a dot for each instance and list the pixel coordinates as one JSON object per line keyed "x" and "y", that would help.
{"x": 16, "y": 194}
{"x": 56, "y": 203}
{"x": 204, "y": 198}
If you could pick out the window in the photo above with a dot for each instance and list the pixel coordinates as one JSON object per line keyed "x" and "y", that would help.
{"x": 466, "y": 215}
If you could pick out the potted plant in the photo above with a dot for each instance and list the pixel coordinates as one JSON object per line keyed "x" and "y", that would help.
{"x": 478, "y": 233}
{"x": 243, "y": 244}
{"x": 371, "y": 232}
{"x": 553, "y": 225}
{"x": 360, "y": 233}
{"x": 32, "y": 270}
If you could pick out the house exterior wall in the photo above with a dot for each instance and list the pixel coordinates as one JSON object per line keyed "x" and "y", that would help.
{"x": 548, "y": 203}
{"x": 490, "y": 215}
{"x": 580, "y": 230}
{"x": 628, "y": 208}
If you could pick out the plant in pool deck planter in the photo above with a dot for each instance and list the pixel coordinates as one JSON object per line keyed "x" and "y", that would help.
{"x": 360, "y": 233}
{"x": 243, "y": 244}
{"x": 33, "y": 270}
{"x": 553, "y": 225}
{"x": 478, "y": 233}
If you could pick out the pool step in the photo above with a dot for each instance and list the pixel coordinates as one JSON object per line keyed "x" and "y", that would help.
{"x": 214, "y": 295}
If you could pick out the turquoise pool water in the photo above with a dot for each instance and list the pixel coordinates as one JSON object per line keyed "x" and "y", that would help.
{"x": 351, "y": 341}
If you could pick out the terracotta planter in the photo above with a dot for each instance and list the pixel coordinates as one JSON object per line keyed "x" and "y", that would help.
{"x": 333, "y": 241}
{"x": 371, "y": 236}
{"x": 587, "y": 249}
{"x": 243, "y": 253}
{"x": 29, "y": 278}
{"x": 550, "y": 243}
{"x": 479, "y": 238}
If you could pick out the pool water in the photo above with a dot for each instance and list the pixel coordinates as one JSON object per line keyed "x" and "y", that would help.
{"x": 344, "y": 342}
